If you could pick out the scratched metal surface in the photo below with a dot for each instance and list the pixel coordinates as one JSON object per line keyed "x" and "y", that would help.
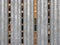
{"x": 28, "y": 22}
{"x": 42, "y": 22}
{"x": 15, "y": 22}
{"x": 55, "y": 22}
{"x": 3, "y": 23}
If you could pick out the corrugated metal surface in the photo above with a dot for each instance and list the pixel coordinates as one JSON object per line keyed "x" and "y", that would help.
{"x": 28, "y": 22}
{"x": 3, "y": 22}
{"x": 58, "y": 30}
{"x": 42, "y": 22}
{"x": 15, "y": 22}
{"x": 55, "y": 22}
{"x": 34, "y": 10}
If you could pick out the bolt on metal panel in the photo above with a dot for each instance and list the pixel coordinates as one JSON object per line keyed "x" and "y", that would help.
{"x": 42, "y": 22}
{"x": 28, "y": 22}
{"x": 3, "y": 22}
{"x": 15, "y": 22}
{"x": 55, "y": 22}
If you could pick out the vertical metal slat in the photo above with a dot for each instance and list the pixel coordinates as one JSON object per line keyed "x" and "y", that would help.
{"x": 15, "y": 22}
{"x": 42, "y": 22}
{"x": 28, "y": 22}
{"x": 3, "y": 22}
{"x": 55, "y": 15}
{"x": 58, "y": 22}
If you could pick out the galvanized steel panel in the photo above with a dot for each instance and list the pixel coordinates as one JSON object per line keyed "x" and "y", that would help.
{"x": 3, "y": 22}
{"x": 15, "y": 22}
{"x": 42, "y": 22}
{"x": 58, "y": 30}
{"x": 28, "y": 22}
{"x": 55, "y": 22}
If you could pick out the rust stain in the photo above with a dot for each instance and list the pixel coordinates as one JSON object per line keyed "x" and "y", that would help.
{"x": 35, "y": 8}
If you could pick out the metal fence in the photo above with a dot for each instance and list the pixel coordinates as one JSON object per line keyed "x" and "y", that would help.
{"x": 19, "y": 14}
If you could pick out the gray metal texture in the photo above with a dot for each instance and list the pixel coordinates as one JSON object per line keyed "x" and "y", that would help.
{"x": 28, "y": 22}
{"x": 15, "y": 22}
{"x": 42, "y": 22}
{"x": 3, "y": 22}
{"x": 55, "y": 22}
